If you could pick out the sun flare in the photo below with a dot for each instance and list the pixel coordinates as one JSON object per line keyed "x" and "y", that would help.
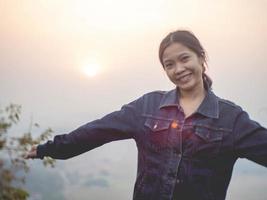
{"x": 91, "y": 69}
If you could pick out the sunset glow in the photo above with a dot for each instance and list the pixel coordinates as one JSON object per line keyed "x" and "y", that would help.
{"x": 69, "y": 62}
{"x": 91, "y": 69}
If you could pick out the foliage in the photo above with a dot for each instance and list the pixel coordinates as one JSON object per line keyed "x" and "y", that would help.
{"x": 13, "y": 166}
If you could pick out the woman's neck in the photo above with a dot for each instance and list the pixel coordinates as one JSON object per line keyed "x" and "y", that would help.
{"x": 191, "y": 100}
{"x": 192, "y": 95}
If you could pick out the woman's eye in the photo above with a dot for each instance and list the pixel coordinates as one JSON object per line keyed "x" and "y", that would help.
{"x": 185, "y": 58}
{"x": 169, "y": 65}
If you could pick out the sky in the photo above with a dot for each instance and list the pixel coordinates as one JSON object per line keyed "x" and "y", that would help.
{"x": 70, "y": 62}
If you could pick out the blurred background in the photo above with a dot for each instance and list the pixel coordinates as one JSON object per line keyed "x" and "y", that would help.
{"x": 69, "y": 62}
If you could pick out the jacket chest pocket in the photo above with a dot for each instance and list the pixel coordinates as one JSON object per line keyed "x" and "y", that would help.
{"x": 207, "y": 141}
{"x": 157, "y": 131}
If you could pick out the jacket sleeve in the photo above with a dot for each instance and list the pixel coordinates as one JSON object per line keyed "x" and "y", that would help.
{"x": 250, "y": 139}
{"x": 117, "y": 125}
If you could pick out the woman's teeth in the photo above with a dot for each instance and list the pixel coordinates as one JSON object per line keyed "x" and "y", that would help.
{"x": 185, "y": 78}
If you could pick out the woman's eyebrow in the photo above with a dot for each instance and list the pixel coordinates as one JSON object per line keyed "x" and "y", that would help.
{"x": 182, "y": 54}
{"x": 179, "y": 56}
{"x": 167, "y": 60}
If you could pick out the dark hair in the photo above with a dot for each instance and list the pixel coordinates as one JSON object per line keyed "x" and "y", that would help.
{"x": 189, "y": 40}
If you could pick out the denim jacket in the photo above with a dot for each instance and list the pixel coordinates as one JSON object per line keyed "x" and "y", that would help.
{"x": 178, "y": 157}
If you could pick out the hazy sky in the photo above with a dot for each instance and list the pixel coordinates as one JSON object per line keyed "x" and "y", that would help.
{"x": 46, "y": 45}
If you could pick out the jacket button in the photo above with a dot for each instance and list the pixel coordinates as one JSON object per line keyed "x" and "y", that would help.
{"x": 179, "y": 181}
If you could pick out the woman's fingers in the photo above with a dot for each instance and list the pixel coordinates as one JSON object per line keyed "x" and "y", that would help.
{"x": 32, "y": 153}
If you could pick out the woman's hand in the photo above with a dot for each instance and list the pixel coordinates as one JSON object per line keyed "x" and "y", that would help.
{"x": 32, "y": 153}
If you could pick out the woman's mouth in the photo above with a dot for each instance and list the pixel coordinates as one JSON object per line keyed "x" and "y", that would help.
{"x": 185, "y": 78}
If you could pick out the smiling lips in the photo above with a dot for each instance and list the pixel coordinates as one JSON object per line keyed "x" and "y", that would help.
{"x": 184, "y": 78}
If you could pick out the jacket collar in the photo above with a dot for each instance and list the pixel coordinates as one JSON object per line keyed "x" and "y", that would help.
{"x": 209, "y": 106}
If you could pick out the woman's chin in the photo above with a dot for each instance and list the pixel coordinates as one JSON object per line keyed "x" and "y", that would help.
{"x": 185, "y": 87}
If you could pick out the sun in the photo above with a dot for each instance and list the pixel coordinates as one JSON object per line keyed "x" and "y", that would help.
{"x": 91, "y": 69}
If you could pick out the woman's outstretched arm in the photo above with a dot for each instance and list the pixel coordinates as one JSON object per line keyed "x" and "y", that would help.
{"x": 117, "y": 125}
{"x": 250, "y": 139}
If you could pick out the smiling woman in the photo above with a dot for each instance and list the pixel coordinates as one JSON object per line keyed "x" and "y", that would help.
{"x": 188, "y": 139}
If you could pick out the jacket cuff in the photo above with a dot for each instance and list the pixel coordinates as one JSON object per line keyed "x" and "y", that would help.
{"x": 41, "y": 151}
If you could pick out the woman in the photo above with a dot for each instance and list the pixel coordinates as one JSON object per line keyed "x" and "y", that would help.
{"x": 188, "y": 139}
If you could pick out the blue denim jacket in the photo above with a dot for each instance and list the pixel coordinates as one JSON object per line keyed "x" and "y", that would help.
{"x": 178, "y": 157}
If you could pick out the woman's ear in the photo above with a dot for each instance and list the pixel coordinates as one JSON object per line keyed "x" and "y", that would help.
{"x": 203, "y": 67}
{"x": 202, "y": 62}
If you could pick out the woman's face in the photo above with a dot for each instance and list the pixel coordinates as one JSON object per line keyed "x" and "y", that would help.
{"x": 183, "y": 67}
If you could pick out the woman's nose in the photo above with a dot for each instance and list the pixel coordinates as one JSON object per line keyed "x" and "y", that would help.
{"x": 179, "y": 68}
